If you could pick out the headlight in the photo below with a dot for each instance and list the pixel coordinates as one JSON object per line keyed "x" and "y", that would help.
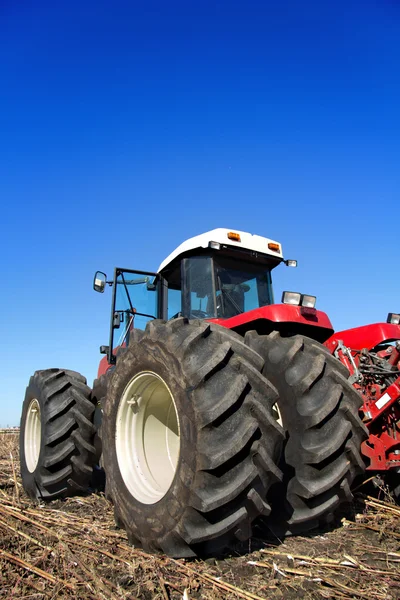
{"x": 393, "y": 318}
{"x": 290, "y": 263}
{"x": 308, "y": 301}
{"x": 297, "y": 299}
{"x": 292, "y": 298}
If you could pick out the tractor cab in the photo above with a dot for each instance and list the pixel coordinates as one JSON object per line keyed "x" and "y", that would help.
{"x": 217, "y": 275}
{"x": 222, "y": 276}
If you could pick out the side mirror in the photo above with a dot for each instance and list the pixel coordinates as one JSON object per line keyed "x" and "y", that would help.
{"x": 290, "y": 263}
{"x": 99, "y": 282}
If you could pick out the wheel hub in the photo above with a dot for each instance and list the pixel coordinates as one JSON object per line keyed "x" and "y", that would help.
{"x": 147, "y": 437}
{"x": 33, "y": 431}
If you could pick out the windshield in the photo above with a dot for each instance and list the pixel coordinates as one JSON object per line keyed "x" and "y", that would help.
{"x": 241, "y": 287}
{"x": 222, "y": 287}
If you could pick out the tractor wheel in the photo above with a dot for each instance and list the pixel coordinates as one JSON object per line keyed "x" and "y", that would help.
{"x": 319, "y": 412}
{"x": 189, "y": 441}
{"x": 56, "y": 435}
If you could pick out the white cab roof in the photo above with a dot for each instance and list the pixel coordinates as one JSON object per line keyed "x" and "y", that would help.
{"x": 257, "y": 243}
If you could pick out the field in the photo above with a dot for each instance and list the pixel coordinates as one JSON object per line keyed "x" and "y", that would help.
{"x": 71, "y": 549}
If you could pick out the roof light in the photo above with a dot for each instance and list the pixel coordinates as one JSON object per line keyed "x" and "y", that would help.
{"x": 234, "y": 236}
{"x": 274, "y": 247}
{"x": 393, "y": 318}
{"x": 292, "y": 298}
{"x": 308, "y": 301}
{"x": 214, "y": 245}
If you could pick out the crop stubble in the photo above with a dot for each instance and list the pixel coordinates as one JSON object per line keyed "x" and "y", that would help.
{"x": 71, "y": 549}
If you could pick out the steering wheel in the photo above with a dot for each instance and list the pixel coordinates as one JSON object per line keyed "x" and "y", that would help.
{"x": 198, "y": 314}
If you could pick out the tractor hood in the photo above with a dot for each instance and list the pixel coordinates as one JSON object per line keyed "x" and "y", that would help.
{"x": 287, "y": 319}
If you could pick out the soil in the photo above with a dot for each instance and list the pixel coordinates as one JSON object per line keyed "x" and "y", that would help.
{"x": 72, "y": 549}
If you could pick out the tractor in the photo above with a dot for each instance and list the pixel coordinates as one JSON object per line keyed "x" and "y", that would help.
{"x": 214, "y": 405}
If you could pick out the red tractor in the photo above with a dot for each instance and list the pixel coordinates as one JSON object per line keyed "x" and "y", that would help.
{"x": 214, "y": 405}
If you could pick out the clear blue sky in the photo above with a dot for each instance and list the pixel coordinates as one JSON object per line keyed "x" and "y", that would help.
{"x": 127, "y": 127}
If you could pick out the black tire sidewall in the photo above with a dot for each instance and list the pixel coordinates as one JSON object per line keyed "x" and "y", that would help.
{"x": 33, "y": 391}
{"x": 156, "y": 358}
{"x": 65, "y": 407}
{"x": 306, "y": 473}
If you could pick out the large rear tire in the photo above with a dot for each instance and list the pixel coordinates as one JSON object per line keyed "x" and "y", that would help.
{"x": 189, "y": 441}
{"x": 320, "y": 413}
{"x": 56, "y": 435}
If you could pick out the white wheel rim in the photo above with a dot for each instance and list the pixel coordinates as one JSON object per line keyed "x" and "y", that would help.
{"x": 147, "y": 437}
{"x": 277, "y": 414}
{"x": 33, "y": 435}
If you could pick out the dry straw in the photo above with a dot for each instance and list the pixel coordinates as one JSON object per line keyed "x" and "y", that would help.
{"x": 71, "y": 549}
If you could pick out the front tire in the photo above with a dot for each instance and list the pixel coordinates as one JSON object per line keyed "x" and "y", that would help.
{"x": 56, "y": 435}
{"x": 320, "y": 413}
{"x": 189, "y": 441}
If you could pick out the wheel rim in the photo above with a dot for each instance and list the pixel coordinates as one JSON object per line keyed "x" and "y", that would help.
{"x": 276, "y": 413}
{"x": 147, "y": 437}
{"x": 33, "y": 435}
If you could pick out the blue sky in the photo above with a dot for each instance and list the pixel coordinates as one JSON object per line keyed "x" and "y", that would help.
{"x": 127, "y": 127}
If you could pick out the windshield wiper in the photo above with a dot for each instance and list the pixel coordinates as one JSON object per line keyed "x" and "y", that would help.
{"x": 232, "y": 301}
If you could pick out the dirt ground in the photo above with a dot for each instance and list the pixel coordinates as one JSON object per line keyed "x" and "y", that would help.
{"x": 71, "y": 549}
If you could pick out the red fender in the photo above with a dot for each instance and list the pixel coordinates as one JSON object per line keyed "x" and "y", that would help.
{"x": 279, "y": 313}
{"x": 367, "y": 336}
{"x": 103, "y": 366}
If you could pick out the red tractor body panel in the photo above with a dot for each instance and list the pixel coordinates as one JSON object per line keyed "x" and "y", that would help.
{"x": 279, "y": 313}
{"x": 367, "y": 336}
{"x": 103, "y": 366}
